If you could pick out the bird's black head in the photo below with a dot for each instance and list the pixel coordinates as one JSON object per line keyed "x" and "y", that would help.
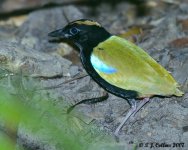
{"x": 84, "y": 33}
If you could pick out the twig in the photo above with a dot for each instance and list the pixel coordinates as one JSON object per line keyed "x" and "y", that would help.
{"x": 67, "y": 81}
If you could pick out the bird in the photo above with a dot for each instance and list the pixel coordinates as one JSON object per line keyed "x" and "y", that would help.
{"x": 118, "y": 65}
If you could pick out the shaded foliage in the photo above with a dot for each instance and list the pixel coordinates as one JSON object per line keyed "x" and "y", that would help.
{"x": 25, "y": 107}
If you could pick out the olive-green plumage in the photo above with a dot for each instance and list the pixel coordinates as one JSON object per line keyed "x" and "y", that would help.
{"x": 136, "y": 70}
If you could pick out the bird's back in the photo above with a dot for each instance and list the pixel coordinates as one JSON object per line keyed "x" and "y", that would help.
{"x": 131, "y": 68}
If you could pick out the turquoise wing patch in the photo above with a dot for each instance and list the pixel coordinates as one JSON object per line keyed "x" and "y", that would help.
{"x": 101, "y": 66}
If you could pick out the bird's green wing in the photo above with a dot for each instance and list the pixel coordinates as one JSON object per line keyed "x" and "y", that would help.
{"x": 125, "y": 65}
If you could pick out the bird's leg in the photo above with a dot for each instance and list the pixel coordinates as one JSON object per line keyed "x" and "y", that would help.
{"x": 140, "y": 105}
{"x": 134, "y": 109}
{"x": 128, "y": 115}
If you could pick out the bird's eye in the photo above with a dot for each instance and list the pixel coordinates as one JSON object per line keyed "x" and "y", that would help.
{"x": 74, "y": 30}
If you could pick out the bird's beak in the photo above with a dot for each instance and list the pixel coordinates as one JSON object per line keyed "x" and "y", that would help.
{"x": 58, "y": 35}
